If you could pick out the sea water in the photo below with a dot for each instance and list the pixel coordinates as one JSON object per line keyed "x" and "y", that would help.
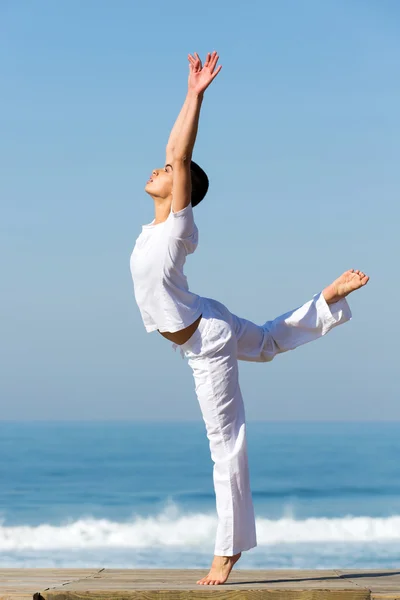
{"x": 140, "y": 494}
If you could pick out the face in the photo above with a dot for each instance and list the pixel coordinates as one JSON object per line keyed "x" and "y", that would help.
{"x": 160, "y": 182}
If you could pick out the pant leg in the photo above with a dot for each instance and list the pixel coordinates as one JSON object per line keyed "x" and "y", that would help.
{"x": 261, "y": 343}
{"x": 212, "y": 355}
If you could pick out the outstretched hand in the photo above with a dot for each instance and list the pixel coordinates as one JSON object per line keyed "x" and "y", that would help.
{"x": 201, "y": 76}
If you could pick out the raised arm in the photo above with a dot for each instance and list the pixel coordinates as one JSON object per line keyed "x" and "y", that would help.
{"x": 175, "y": 132}
{"x": 183, "y": 136}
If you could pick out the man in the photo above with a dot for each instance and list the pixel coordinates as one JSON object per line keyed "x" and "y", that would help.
{"x": 210, "y": 336}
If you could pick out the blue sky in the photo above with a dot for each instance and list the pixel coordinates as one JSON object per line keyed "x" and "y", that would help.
{"x": 300, "y": 136}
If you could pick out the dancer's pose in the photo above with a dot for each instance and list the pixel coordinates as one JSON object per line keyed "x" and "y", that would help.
{"x": 210, "y": 336}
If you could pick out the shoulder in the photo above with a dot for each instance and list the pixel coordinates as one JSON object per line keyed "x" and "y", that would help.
{"x": 183, "y": 225}
{"x": 184, "y": 213}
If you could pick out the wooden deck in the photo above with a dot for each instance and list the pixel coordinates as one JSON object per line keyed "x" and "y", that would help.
{"x": 172, "y": 584}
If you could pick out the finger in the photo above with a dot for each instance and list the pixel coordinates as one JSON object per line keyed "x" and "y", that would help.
{"x": 199, "y": 60}
{"x": 191, "y": 59}
{"x": 196, "y": 63}
{"x": 213, "y": 61}
{"x": 208, "y": 58}
{"x": 212, "y": 58}
{"x": 216, "y": 72}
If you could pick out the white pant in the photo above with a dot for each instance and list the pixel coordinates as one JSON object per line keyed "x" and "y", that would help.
{"x": 213, "y": 352}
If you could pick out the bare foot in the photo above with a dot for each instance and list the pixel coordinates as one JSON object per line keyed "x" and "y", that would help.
{"x": 220, "y": 569}
{"x": 345, "y": 284}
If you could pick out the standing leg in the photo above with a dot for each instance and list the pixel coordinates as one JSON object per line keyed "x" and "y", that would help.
{"x": 212, "y": 355}
{"x": 221, "y": 403}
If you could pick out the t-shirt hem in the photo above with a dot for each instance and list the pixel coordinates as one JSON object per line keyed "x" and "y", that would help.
{"x": 176, "y": 327}
{"x": 152, "y": 328}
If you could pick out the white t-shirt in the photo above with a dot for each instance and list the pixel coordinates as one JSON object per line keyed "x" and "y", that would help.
{"x": 161, "y": 288}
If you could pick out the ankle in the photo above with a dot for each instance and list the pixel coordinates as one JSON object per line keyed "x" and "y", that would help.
{"x": 330, "y": 294}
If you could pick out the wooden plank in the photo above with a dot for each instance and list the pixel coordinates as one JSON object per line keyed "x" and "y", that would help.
{"x": 186, "y": 579}
{"x": 385, "y": 596}
{"x": 21, "y": 584}
{"x": 217, "y": 592}
{"x": 13, "y": 596}
{"x": 175, "y": 584}
{"x": 377, "y": 581}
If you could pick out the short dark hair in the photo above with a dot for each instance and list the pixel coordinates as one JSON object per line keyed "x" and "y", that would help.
{"x": 200, "y": 183}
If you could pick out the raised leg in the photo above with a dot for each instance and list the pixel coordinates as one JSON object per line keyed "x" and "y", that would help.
{"x": 261, "y": 343}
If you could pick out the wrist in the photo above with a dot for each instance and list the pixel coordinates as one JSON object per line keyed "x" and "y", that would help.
{"x": 193, "y": 95}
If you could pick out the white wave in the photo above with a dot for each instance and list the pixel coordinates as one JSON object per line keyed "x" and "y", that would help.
{"x": 173, "y": 529}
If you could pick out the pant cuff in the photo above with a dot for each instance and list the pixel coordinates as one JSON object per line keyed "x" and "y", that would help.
{"x": 331, "y": 314}
{"x": 235, "y": 550}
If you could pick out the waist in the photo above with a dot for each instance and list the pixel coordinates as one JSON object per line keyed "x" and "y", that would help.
{"x": 171, "y": 314}
{"x": 182, "y": 336}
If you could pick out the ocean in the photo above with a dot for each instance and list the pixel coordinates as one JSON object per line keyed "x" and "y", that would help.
{"x": 140, "y": 494}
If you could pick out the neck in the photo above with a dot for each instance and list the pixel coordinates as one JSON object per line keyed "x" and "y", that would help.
{"x": 162, "y": 208}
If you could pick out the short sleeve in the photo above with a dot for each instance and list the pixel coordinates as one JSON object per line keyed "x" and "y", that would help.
{"x": 183, "y": 223}
{"x": 184, "y": 228}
